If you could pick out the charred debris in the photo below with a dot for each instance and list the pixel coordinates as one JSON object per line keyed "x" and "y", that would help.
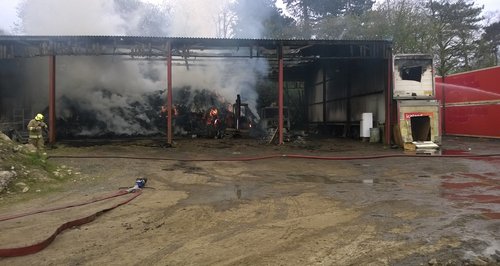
{"x": 193, "y": 116}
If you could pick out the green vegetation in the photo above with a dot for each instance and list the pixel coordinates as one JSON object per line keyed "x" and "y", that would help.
{"x": 33, "y": 174}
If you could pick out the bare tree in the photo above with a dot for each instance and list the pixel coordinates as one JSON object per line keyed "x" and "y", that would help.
{"x": 310, "y": 13}
{"x": 225, "y": 21}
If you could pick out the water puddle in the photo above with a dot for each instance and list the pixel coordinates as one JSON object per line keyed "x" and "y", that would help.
{"x": 308, "y": 178}
{"x": 450, "y": 185}
{"x": 492, "y": 215}
{"x": 454, "y": 152}
{"x": 479, "y": 190}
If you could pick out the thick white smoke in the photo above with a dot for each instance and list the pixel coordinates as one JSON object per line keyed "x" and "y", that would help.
{"x": 71, "y": 17}
{"x": 82, "y": 79}
{"x": 107, "y": 87}
{"x": 195, "y": 18}
{"x": 226, "y": 77}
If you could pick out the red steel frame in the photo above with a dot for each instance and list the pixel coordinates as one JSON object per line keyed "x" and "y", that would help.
{"x": 52, "y": 91}
{"x": 52, "y": 99}
{"x": 280, "y": 94}
{"x": 169, "y": 93}
{"x": 388, "y": 102}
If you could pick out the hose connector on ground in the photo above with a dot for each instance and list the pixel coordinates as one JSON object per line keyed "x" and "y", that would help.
{"x": 139, "y": 184}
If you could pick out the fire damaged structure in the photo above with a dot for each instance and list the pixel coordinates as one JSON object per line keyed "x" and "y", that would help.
{"x": 417, "y": 107}
{"x": 340, "y": 80}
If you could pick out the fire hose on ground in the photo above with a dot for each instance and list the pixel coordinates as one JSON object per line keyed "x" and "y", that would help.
{"x": 284, "y": 156}
{"x": 134, "y": 191}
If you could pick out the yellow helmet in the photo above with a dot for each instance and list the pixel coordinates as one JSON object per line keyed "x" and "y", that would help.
{"x": 39, "y": 117}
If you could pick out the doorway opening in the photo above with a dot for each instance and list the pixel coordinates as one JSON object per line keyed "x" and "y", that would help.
{"x": 421, "y": 128}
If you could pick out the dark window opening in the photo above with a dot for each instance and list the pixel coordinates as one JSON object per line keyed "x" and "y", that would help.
{"x": 421, "y": 128}
{"x": 411, "y": 73}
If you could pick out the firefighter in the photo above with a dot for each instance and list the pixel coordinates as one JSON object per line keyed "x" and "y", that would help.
{"x": 35, "y": 127}
{"x": 214, "y": 124}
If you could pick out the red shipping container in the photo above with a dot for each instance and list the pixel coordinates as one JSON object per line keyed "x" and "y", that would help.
{"x": 471, "y": 103}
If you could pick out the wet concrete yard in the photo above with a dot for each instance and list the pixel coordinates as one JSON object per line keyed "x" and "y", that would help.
{"x": 285, "y": 211}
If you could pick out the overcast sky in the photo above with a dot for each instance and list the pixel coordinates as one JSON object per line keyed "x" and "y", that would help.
{"x": 8, "y": 13}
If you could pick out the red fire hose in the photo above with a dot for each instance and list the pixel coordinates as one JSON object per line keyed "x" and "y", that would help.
{"x": 116, "y": 194}
{"x": 285, "y": 156}
{"x": 30, "y": 249}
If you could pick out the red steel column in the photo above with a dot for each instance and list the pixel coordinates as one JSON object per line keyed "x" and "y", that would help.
{"x": 388, "y": 108}
{"x": 280, "y": 93}
{"x": 443, "y": 99}
{"x": 52, "y": 99}
{"x": 169, "y": 93}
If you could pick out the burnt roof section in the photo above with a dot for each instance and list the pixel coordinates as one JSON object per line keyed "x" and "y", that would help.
{"x": 297, "y": 54}
{"x": 20, "y": 46}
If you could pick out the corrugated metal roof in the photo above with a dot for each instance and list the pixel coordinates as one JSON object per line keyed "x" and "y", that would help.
{"x": 56, "y": 37}
{"x": 15, "y": 46}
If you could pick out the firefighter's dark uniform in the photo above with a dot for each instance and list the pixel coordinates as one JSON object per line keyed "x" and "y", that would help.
{"x": 35, "y": 127}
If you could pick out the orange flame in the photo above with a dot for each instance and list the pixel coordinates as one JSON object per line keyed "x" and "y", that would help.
{"x": 212, "y": 116}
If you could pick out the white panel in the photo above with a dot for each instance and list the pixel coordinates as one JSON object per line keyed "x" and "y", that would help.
{"x": 366, "y": 124}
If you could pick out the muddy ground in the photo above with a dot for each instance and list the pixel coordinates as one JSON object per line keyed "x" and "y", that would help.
{"x": 279, "y": 211}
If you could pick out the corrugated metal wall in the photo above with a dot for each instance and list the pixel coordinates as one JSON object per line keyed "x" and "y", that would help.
{"x": 471, "y": 103}
{"x": 341, "y": 90}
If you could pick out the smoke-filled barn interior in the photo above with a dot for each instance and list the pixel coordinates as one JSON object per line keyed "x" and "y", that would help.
{"x": 118, "y": 86}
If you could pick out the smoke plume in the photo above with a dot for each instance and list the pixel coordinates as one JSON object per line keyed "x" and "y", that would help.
{"x": 114, "y": 89}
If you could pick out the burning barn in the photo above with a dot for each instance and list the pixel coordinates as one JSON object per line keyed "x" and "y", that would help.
{"x": 94, "y": 86}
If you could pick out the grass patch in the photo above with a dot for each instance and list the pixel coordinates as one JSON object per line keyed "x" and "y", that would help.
{"x": 35, "y": 173}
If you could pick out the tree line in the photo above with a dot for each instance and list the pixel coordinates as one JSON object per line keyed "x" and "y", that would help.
{"x": 454, "y": 31}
